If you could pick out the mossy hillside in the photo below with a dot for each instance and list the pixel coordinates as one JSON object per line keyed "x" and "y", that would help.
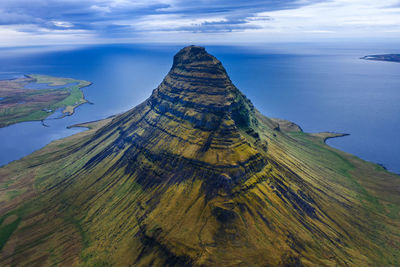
{"x": 177, "y": 182}
{"x": 172, "y": 202}
{"x": 8, "y": 227}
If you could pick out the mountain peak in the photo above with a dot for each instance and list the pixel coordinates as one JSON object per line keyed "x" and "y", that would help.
{"x": 198, "y": 90}
{"x": 194, "y": 55}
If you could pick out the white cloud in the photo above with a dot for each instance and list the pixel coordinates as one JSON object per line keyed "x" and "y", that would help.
{"x": 62, "y": 24}
{"x": 179, "y": 21}
{"x": 331, "y": 19}
{"x": 341, "y": 17}
{"x": 102, "y": 9}
{"x": 172, "y": 22}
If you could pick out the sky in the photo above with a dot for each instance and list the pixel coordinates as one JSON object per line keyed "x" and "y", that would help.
{"x": 54, "y": 22}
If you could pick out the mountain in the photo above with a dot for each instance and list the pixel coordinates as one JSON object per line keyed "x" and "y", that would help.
{"x": 196, "y": 176}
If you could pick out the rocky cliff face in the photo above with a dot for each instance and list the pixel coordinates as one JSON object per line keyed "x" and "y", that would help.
{"x": 195, "y": 122}
{"x": 195, "y": 175}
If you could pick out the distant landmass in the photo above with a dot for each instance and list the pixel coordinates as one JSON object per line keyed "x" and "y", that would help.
{"x": 36, "y": 97}
{"x": 197, "y": 176}
{"x": 385, "y": 57}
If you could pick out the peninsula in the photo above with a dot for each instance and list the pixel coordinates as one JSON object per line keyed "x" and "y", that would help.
{"x": 385, "y": 57}
{"x": 36, "y": 97}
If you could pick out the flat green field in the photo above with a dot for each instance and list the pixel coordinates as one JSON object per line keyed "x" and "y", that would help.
{"x": 19, "y": 104}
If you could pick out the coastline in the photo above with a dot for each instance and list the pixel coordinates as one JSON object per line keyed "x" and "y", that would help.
{"x": 69, "y": 113}
{"x": 293, "y": 128}
{"x": 384, "y": 57}
{"x": 76, "y": 93}
{"x": 89, "y": 123}
{"x": 331, "y": 135}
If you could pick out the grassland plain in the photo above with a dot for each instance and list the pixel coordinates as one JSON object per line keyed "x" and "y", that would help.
{"x": 18, "y": 104}
{"x": 195, "y": 175}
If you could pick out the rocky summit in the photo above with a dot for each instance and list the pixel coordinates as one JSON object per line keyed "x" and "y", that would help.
{"x": 196, "y": 176}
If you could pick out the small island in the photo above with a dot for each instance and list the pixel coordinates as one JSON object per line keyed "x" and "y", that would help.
{"x": 386, "y": 57}
{"x": 36, "y": 97}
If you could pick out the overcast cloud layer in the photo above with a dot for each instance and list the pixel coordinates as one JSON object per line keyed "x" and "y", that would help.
{"x": 35, "y": 22}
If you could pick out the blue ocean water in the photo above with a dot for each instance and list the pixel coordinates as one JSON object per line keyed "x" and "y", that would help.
{"x": 321, "y": 87}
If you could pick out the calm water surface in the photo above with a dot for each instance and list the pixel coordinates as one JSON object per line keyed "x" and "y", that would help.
{"x": 320, "y": 87}
{"x": 37, "y": 86}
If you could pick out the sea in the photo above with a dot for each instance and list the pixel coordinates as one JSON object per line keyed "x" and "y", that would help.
{"x": 319, "y": 86}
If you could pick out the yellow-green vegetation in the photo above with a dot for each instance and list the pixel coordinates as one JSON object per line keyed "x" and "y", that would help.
{"x": 20, "y": 104}
{"x": 195, "y": 175}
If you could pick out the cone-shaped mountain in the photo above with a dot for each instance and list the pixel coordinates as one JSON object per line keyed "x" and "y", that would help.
{"x": 195, "y": 175}
{"x": 195, "y": 121}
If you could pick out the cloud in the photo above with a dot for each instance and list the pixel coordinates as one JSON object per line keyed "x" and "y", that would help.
{"x": 222, "y": 21}
{"x": 90, "y": 12}
{"x": 62, "y": 24}
{"x": 341, "y": 17}
{"x": 8, "y": 18}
